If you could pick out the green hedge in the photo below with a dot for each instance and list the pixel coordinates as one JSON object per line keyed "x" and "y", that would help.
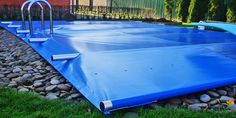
{"x": 169, "y": 5}
{"x": 217, "y": 10}
{"x": 182, "y": 9}
{"x": 198, "y": 10}
{"x": 231, "y": 13}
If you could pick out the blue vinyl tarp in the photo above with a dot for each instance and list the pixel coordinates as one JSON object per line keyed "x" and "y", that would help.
{"x": 133, "y": 63}
{"x": 219, "y": 25}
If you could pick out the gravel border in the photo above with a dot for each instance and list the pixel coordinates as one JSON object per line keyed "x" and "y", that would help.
{"x": 24, "y": 70}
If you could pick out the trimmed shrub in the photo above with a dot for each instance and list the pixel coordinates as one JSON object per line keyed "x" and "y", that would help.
{"x": 217, "y": 10}
{"x": 182, "y": 9}
{"x": 169, "y": 5}
{"x": 231, "y": 12}
{"x": 198, "y": 10}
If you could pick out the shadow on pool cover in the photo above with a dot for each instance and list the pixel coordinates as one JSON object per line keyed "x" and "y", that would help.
{"x": 127, "y": 64}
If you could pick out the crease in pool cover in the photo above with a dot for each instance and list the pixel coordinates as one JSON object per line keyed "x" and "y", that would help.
{"x": 129, "y": 64}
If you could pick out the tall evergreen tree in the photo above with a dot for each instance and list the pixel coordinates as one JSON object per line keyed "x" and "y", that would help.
{"x": 231, "y": 12}
{"x": 198, "y": 10}
{"x": 182, "y": 9}
{"x": 90, "y": 3}
{"x": 169, "y": 5}
{"x": 217, "y": 10}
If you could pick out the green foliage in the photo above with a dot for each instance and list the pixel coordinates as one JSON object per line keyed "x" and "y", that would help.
{"x": 182, "y": 9}
{"x": 29, "y": 105}
{"x": 231, "y": 12}
{"x": 169, "y": 5}
{"x": 197, "y": 10}
{"x": 217, "y": 10}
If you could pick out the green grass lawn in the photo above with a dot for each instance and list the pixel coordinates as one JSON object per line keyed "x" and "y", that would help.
{"x": 20, "y": 105}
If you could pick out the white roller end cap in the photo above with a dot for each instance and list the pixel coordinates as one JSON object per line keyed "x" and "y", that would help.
{"x": 64, "y": 56}
{"x": 14, "y": 26}
{"x": 22, "y": 31}
{"x": 6, "y": 22}
{"x": 37, "y": 40}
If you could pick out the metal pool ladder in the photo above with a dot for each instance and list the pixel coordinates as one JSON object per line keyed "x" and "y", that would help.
{"x": 30, "y": 4}
{"x": 22, "y": 13}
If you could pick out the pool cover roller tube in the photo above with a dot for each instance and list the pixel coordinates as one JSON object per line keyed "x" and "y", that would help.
{"x": 126, "y": 64}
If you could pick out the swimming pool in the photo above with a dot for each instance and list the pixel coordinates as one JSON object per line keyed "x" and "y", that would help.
{"x": 128, "y": 63}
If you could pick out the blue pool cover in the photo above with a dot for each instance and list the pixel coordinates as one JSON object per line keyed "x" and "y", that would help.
{"x": 224, "y": 26}
{"x": 128, "y": 64}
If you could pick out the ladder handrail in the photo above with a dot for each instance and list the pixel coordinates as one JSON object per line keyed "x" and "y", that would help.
{"x": 23, "y": 16}
{"x": 50, "y": 12}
